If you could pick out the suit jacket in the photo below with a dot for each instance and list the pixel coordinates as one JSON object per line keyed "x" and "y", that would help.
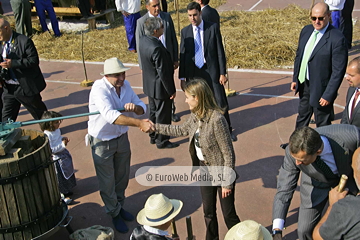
{"x": 326, "y": 66}
{"x": 169, "y": 32}
{"x": 158, "y": 68}
{"x": 25, "y": 64}
{"x": 214, "y": 139}
{"x": 314, "y": 186}
{"x": 210, "y": 14}
{"x": 213, "y": 52}
{"x": 355, "y": 120}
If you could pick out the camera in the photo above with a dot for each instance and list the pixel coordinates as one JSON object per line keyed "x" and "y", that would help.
{"x": 4, "y": 72}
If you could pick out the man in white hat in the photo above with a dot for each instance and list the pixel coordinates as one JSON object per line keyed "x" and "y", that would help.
{"x": 248, "y": 230}
{"x": 107, "y": 133}
{"x": 156, "y": 217}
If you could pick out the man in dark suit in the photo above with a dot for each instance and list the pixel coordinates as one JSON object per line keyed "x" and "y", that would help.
{"x": 158, "y": 78}
{"x": 321, "y": 156}
{"x": 208, "y": 13}
{"x": 351, "y": 114}
{"x": 24, "y": 81}
{"x": 168, "y": 39}
{"x": 319, "y": 67}
{"x": 202, "y": 56}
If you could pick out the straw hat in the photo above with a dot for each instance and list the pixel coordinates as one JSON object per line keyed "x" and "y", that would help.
{"x": 159, "y": 210}
{"x": 248, "y": 230}
{"x": 113, "y": 65}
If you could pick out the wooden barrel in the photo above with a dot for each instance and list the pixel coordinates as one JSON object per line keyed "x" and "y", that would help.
{"x": 30, "y": 202}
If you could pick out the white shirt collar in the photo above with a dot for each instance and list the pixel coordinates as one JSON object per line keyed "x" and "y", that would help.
{"x": 156, "y": 231}
{"x": 150, "y": 15}
{"x": 322, "y": 31}
{"x": 201, "y": 26}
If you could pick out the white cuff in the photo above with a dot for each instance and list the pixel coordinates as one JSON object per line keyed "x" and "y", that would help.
{"x": 278, "y": 223}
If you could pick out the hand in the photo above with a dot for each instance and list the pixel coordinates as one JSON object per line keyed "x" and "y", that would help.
{"x": 130, "y": 107}
{"x": 182, "y": 84}
{"x": 65, "y": 140}
{"x": 323, "y": 102}
{"x": 176, "y": 65}
{"x": 277, "y": 236}
{"x": 126, "y": 14}
{"x": 173, "y": 96}
{"x": 223, "y": 79}
{"x": 293, "y": 86}
{"x": 225, "y": 192}
{"x": 335, "y": 196}
{"x": 147, "y": 126}
{"x": 6, "y": 63}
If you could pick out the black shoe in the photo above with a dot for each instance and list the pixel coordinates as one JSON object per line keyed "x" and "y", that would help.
{"x": 119, "y": 224}
{"x": 167, "y": 145}
{"x": 233, "y": 137}
{"x": 284, "y": 145}
{"x": 152, "y": 141}
{"x": 312, "y": 121}
{"x": 126, "y": 215}
{"x": 175, "y": 118}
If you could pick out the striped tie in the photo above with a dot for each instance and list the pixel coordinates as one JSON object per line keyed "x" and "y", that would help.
{"x": 199, "y": 58}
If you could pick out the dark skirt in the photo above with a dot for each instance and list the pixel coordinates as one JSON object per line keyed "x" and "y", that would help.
{"x": 65, "y": 185}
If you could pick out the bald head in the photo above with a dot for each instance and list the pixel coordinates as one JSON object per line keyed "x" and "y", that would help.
{"x": 356, "y": 166}
{"x": 320, "y": 15}
{"x": 5, "y": 30}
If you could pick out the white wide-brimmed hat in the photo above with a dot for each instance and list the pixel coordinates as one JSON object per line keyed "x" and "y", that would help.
{"x": 159, "y": 210}
{"x": 248, "y": 230}
{"x": 113, "y": 65}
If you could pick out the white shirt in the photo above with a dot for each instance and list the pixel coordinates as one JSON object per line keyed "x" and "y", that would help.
{"x": 351, "y": 102}
{"x": 154, "y": 231}
{"x": 335, "y": 4}
{"x": 5, "y": 54}
{"x": 328, "y": 157}
{"x": 201, "y": 28}
{"x": 130, "y": 6}
{"x": 55, "y": 140}
{"x": 318, "y": 37}
{"x": 199, "y": 153}
{"x": 103, "y": 98}
{"x": 162, "y": 37}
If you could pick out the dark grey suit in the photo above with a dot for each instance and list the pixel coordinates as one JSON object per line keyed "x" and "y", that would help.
{"x": 210, "y": 14}
{"x": 215, "y": 61}
{"x": 25, "y": 65}
{"x": 158, "y": 82}
{"x": 169, "y": 32}
{"x": 355, "y": 120}
{"x": 314, "y": 187}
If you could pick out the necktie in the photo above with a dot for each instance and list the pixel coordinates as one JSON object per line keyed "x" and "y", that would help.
{"x": 321, "y": 165}
{"x": 11, "y": 73}
{"x": 353, "y": 105}
{"x": 199, "y": 58}
{"x": 306, "y": 56}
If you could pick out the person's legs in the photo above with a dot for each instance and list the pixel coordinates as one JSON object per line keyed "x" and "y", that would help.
{"x": 228, "y": 208}
{"x": 346, "y": 24}
{"x": 53, "y": 19}
{"x": 16, "y": 6}
{"x": 308, "y": 218}
{"x": 130, "y": 27}
{"x": 33, "y": 104}
{"x": 40, "y": 10}
{"x": 208, "y": 194}
{"x": 27, "y": 17}
{"x": 335, "y": 17}
{"x": 305, "y": 111}
{"x": 152, "y": 117}
{"x": 11, "y": 106}
{"x": 323, "y": 115}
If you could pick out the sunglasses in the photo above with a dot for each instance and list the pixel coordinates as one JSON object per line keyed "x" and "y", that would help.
{"x": 319, "y": 18}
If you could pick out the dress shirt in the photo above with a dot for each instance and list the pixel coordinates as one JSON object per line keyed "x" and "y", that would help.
{"x": 335, "y": 4}
{"x": 328, "y": 157}
{"x": 130, "y": 6}
{"x": 162, "y": 37}
{"x": 201, "y": 28}
{"x": 351, "y": 102}
{"x": 5, "y": 54}
{"x": 318, "y": 37}
{"x": 103, "y": 98}
{"x": 199, "y": 153}
{"x": 55, "y": 140}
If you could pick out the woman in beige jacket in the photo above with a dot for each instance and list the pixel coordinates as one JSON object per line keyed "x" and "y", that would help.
{"x": 210, "y": 145}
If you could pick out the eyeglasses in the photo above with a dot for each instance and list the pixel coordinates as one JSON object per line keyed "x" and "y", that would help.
{"x": 319, "y": 18}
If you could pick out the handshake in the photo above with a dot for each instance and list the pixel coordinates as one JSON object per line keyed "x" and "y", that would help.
{"x": 147, "y": 126}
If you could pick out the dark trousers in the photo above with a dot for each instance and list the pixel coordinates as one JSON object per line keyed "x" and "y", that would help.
{"x": 160, "y": 112}
{"x": 305, "y": 111}
{"x": 164, "y": 6}
{"x": 41, "y": 7}
{"x": 100, "y": 4}
{"x": 208, "y": 194}
{"x": 130, "y": 27}
{"x": 84, "y": 7}
{"x": 218, "y": 90}
{"x": 346, "y": 24}
{"x": 12, "y": 102}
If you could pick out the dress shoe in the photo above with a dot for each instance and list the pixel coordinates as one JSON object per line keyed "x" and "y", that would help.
{"x": 284, "y": 145}
{"x": 233, "y": 137}
{"x": 167, "y": 144}
{"x": 119, "y": 224}
{"x": 152, "y": 141}
{"x": 175, "y": 118}
{"x": 133, "y": 51}
{"x": 126, "y": 215}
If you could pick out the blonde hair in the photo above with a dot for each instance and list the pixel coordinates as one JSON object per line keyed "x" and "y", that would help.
{"x": 199, "y": 88}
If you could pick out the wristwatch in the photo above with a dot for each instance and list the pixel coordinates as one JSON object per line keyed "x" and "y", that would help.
{"x": 276, "y": 232}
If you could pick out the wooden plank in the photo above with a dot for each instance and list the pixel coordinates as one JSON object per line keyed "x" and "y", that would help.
{"x": 8, "y": 142}
{"x": 64, "y": 11}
